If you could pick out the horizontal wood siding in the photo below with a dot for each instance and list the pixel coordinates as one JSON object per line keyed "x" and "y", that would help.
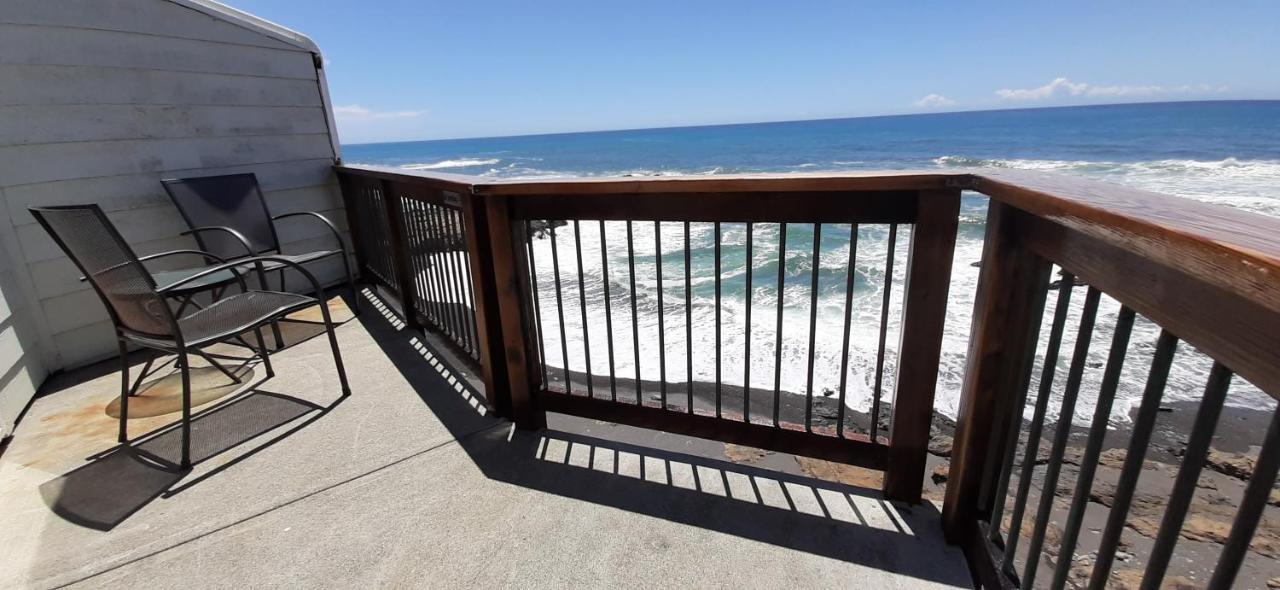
{"x": 100, "y": 100}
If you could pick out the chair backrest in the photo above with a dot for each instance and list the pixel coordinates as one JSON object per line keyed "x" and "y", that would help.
{"x": 107, "y": 261}
{"x": 230, "y": 200}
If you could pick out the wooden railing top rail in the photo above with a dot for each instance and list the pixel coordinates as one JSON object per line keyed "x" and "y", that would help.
{"x": 1233, "y": 249}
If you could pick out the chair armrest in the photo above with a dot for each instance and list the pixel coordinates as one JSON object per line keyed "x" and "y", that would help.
{"x": 207, "y": 255}
{"x": 342, "y": 245}
{"x": 235, "y": 266}
{"x": 248, "y": 249}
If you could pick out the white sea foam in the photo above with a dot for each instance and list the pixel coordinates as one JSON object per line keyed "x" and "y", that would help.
{"x": 1252, "y": 185}
{"x": 458, "y": 163}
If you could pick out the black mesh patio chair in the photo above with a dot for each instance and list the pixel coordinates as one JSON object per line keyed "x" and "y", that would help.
{"x": 229, "y": 218}
{"x": 141, "y": 310}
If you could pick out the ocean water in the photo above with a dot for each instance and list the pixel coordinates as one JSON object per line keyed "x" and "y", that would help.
{"x": 1226, "y": 153}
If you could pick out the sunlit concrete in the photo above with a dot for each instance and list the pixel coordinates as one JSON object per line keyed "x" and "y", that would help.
{"x": 408, "y": 483}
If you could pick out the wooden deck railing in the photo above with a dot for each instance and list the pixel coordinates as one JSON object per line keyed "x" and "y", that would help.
{"x": 1208, "y": 275}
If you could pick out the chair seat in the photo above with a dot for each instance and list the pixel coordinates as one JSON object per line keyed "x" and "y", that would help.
{"x": 231, "y": 315}
{"x": 237, "y": 313}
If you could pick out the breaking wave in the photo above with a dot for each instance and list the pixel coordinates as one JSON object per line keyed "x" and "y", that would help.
{"x": 459, "y": 163}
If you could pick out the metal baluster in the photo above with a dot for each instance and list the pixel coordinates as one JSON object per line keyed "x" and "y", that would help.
{"x": 688, "y": 314}
{"x": 746, "y": 365}
{"x": 662, "y": 326}
{"x": 884, "y": 331}
{"x": 777, "y": 350}
{"x": 608, "y": 313}
{"x": 471, "y": 297}
{"x": 582, "y": 299}
{"x": 1184, "y": 486}
{"x": 813, "y": 325}
{"x": 635, "y": 321}
{"x": 564, "y": 342}
{"x": 1037, "y": 419}
{"x": 848, "y": 321}
{"x": 1062, "y": 432}
{"x": 1256, "y": 496}
{"x": 458, "y": 282}
{"x": 537, "y": 306}
{"x": 1093, "y": 447}
{"x": 1143, "y": 425}
{"x": 718, "y": 380}
{"x": 443, "y": 267}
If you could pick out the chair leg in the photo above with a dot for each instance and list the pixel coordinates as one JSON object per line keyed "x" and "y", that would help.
{"x": 275, "y": 326}
{"x": 146, "y": 367}
{"x": 225, "y": 371}
{"x": 333, "y": 343}
{"x": 124, "y": 392}
{"x": 186, "y": 408}
{"x": 262, "y": 352}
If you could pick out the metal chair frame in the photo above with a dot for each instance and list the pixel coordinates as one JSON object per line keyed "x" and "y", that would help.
{"x": 200, "y": 231}
{"x": 175, "y": 343}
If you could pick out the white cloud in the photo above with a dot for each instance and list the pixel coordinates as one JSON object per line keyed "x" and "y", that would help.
{"x": 356, "y": 112}
{"x": 934, "y": 101}
{"x": 1062, "y": 87}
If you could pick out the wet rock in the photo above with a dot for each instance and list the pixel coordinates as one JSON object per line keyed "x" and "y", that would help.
{"x": 1200, "y": 528}
{"x": 1073, "y": 455}
{"x": 940, "y": 445}
{"x": 841, "y": 473}
{"x": 941, "y": 473}
{"x": 1236, "y": 465}
{"x": 1116, "y": 458}
{"x": 1131, "y": 579}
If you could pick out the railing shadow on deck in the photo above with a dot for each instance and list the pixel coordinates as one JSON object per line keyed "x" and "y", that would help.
{"x": 828, "y": 519}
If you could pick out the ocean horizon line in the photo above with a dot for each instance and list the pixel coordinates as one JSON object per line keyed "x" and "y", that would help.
{"x": 815, "y": 120}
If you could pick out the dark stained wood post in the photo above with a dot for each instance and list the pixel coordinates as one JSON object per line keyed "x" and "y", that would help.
{"x": 923, "y": 314}
{"x": 1006, "y": 316}
{"x": 493, "y": 366}
{"x": 351, "y": 189}
{"x": 400, "y": 254}
{"x": 510, "y": 272}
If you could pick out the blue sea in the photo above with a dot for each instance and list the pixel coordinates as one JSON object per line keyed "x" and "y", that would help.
{"x": 1225, "y": 152}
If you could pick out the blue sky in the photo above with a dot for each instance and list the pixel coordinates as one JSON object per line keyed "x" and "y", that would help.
{"x": 412, "y": 69}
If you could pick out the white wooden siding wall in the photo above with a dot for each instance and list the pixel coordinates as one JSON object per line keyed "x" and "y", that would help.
{"x": 99, "y": 100}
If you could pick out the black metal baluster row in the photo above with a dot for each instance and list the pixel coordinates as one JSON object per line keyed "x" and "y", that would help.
{"x": 1249, "y": 514}
{"x": 464, "y": 282}
{"x": 585, "y": 314}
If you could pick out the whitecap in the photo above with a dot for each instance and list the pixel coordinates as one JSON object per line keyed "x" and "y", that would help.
{"x": 459, "y": 163}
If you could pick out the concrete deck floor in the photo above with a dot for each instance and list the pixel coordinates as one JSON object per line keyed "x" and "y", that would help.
{"x": 408, "y": 483}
